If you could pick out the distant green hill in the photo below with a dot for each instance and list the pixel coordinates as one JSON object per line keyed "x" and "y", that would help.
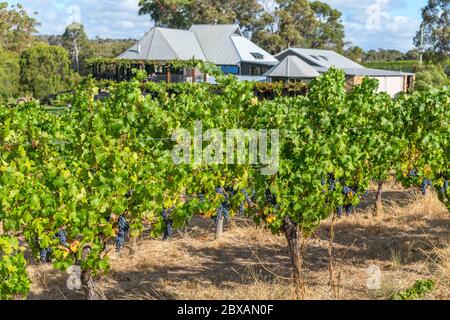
{"x": 403, "y": 65}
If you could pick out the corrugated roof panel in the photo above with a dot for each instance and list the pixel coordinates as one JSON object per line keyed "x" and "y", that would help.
{"x": 183, "y": 43}
{"x": 250, "y": 52}
{"x": 374, "y": 72}
{"x": 325, "y": 58}
{"x": 141, "y": 49}
{"x": 292, "y": 67}
{"x": 322, "y": 60}
{"x": 220, "y": 44}
{"x": 165, "y": 44}
{"x": 159, "y": 48}
{"x": 215, "y": 41}
{"x": 367, "y": 72}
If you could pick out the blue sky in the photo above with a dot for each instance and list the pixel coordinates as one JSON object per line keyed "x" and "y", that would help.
{"x": 370, "y": 24}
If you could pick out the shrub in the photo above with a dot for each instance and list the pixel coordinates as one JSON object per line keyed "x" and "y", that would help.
{"x": 45, "y": 70}
{"x": 431, "y": 76}
{"x": 9, "y": 75}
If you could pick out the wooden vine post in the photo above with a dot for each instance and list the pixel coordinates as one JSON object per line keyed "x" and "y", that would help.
{"x": 297, "y": 246}
{"x": 193, "y": 75}
{"x": 168, "y": 74}
{"x": 378, "y": 209}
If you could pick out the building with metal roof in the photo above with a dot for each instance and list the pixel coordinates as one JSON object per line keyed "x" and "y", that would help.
{"x": 227, "y": 47}
{"x": 391, "y": 82}
{"x": 162, "y": 44}
{"x": 292, "y": 67}
{"x": 224, "y": 45}
{"x": 319, "y": 58}
{"x": 215, "y": 41}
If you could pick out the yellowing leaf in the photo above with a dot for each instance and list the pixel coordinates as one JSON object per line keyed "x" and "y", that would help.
{"x": 74, "y": 246}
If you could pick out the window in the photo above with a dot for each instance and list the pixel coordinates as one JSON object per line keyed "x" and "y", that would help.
{"x": 257, "y": 70}
{"x": 257, "y": 55}
{"x": 230, "y": 69}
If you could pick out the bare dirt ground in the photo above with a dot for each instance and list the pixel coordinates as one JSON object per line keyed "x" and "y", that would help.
{"x": 410, "y": 242}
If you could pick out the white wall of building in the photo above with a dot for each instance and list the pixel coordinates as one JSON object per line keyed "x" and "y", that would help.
{"x": 391, "y": 85}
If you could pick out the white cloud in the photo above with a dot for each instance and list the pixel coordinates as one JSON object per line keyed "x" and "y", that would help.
{"x": 370, "y": 24}
{"x": 120, "y": 19}
{"x": 103, "y": 18}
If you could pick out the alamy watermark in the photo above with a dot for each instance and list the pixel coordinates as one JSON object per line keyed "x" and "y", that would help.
{"x": 375, "y": 14}
{"x": 234, "y": 146}
{"x": 74, "y": 279}
{"x": 73, "y": 15}
{"x": 374, "y": 277}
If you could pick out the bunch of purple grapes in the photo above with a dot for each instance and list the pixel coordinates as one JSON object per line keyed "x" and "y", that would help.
{"x": 330, "y": 180}
{"x": 444, "y": 187}
{"x": 347, "y": 191}
{"x": 241, "y": 208}
{"x": 425, "y": 184}
{"x": 247, "y": 200}
{"x": 168, "y": 232}
{"x": 271, "y": 198}
{"x": 348, "y": 210}
{"x": 230, "y": 191}
{"x": 45, "y": 255}
{"x": 224, "y": 209}
{"x": 123, "y": 230}
{"x": 62, "y": 237}
{"x": 223, "y": 212}
{"x": 349, "y": 207}
{"x": 221, "y": 191}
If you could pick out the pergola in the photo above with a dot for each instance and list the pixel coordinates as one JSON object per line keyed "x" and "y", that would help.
{"x": 168, "y": 71}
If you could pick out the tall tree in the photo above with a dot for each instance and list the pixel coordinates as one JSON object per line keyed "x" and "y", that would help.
{"x": 436, "y": 29}
{"x": 267, "y": 35}
{"x": 329, "y": 32}
{"x": 355, "y": 53}
{"x": 17, "y": 28}
{"x": 290, "y": 22}
{"x": 168, "y": 13}
{"x": 412, "y": 54}
{"x": 243, "y": 12}
{"x": 75, "y": 40}
{"x": 300, "y": 23}
{"x": 297, "y": 22}
{"x": 384, "y": 55}
{"x": 181, "y": 14}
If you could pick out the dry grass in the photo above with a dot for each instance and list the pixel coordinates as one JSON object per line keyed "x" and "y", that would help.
{"x": 409, "y": 242}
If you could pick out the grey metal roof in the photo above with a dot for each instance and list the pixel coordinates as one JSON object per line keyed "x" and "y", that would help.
{"x": 322, "y": 58}
{"x": 165, "y": 44}
{"x": 250, "y": 52}
{"x": 220, "y": 44}
{"x": 215, "y": 41}
{"x": 292, "y": 67}
{"x": 375, "y": 72}
{"x": 367, "y": 72}
{"x": 225, "y": 45}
